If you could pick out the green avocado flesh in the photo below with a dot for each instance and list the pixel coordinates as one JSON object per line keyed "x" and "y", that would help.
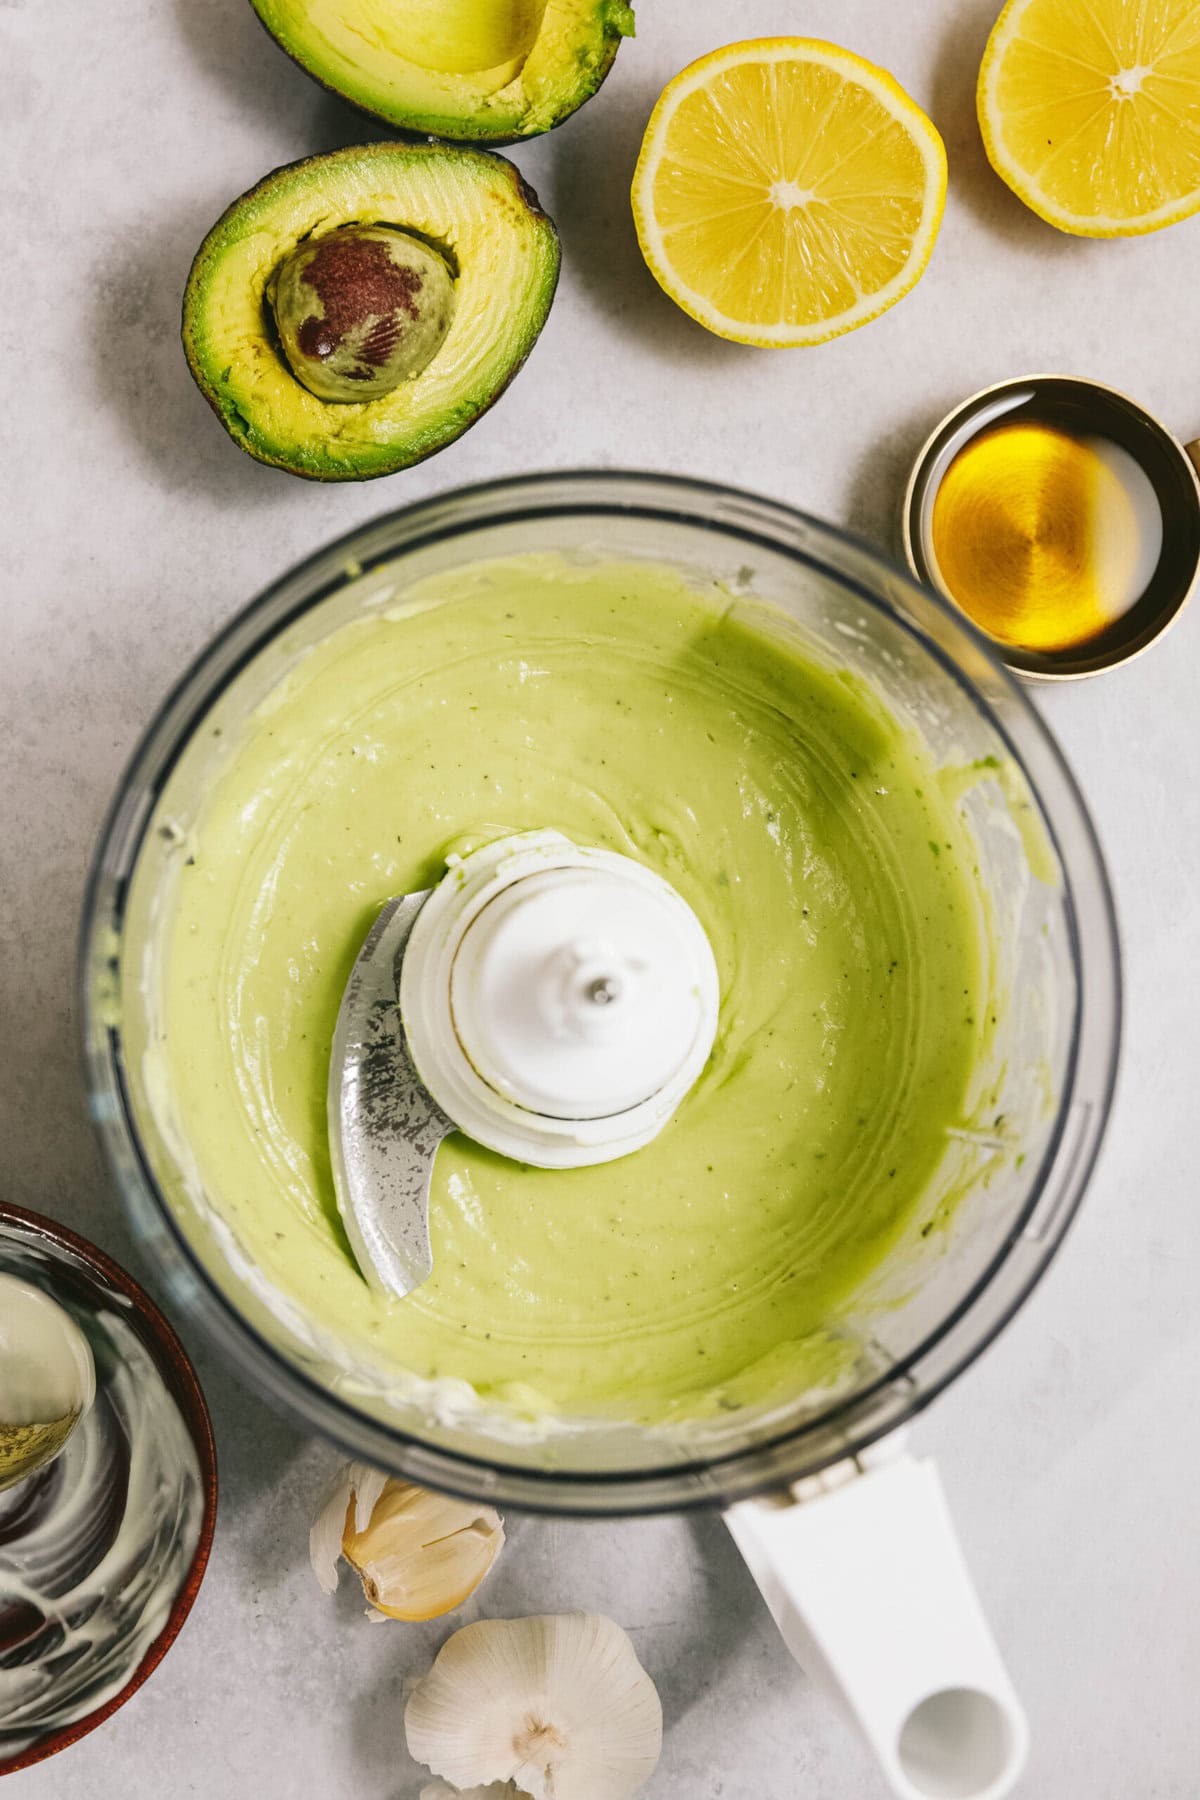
{"x": 468, "y": 206}
{"x": 834, "y": 874}
{"x": 467, "y": 69}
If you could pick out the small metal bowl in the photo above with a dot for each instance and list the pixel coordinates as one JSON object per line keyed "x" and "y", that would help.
{"x": 1085, "y": 408}
{"x": 149, "y": 1415}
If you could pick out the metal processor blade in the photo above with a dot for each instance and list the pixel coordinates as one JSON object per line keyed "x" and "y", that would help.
{"x": 384, "y": 1126}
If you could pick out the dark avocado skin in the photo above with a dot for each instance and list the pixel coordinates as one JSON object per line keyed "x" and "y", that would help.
{"x": 417, "y": 130}
{"x": 243, "y": 431}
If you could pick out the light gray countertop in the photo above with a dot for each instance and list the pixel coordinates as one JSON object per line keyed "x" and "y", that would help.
{"x": 133, "y": 528}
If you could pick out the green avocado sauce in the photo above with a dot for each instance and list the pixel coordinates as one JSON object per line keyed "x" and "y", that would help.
{"x": 808, "y": 829}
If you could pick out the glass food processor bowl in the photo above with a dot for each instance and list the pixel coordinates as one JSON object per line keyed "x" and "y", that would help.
{"x": 939, "y": 1298}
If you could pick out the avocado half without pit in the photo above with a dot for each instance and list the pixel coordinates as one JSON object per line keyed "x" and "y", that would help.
{"x": 355, "y": 312}
{"x": 465, "y": 69}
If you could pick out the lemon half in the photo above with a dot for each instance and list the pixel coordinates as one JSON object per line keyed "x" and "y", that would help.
{"x": 1090, "y": 111}
{"x": 787, "y": 191}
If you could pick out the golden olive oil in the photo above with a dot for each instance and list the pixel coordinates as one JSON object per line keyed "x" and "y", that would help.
{"x": 24, "y": 1448}
{"x": 1045, "y": 535}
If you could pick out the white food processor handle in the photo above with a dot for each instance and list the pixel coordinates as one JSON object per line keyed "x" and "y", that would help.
{"x": 868, "y": 1584}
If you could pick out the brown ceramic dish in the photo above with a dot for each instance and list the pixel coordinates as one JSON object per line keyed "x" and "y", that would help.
{"x": 88, "y": 1277}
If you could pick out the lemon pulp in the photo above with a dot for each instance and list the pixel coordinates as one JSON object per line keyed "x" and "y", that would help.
{"x": 1090, "y": 111}
{"x": 787, "y": 191}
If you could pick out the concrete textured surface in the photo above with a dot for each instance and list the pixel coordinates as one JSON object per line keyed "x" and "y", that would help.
{"x": 133, "y": 528}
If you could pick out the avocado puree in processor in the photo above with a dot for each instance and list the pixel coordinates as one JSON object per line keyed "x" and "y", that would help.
{"x": 802, "y": 822}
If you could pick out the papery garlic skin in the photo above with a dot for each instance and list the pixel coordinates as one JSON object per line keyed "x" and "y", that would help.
{"x": 559, "y": 1704}
{"x": 417, "y": 1554}
{"x": 355, "y": 1483}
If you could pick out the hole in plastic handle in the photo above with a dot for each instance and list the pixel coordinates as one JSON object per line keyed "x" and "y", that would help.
{"x": 956, "y": 1744}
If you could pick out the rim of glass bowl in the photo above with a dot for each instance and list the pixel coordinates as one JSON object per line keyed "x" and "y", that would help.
{"x": 847, "y": 1427}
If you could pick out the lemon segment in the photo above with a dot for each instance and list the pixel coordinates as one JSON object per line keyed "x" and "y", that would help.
{"x": 1090, "y": 111}
{"x": 787, "y": 191}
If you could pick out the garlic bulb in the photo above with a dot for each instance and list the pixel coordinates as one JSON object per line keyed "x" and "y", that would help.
{"x": 495, "y": 1790}
{"x": 417, "y": 1554}
{"x": 559, "y": 1705}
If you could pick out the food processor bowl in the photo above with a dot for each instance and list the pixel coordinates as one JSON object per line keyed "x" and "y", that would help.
{"x": 1007, "y": 1190}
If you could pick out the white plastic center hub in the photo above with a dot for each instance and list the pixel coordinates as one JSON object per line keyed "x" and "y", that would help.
{"x": 559, "y": 1002}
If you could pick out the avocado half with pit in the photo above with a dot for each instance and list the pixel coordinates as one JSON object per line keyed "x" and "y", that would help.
{"x": 355, "y": 312}
{"x": 465, "y": 69}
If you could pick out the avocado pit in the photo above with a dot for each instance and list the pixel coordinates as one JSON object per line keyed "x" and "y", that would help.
{"x": 361, "y": 310}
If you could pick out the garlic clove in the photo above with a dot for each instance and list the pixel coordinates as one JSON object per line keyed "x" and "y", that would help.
{"x": 423, "y": 1554}
{"x": 558, "y": 1704}
{"x": 417, "y": 1554}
